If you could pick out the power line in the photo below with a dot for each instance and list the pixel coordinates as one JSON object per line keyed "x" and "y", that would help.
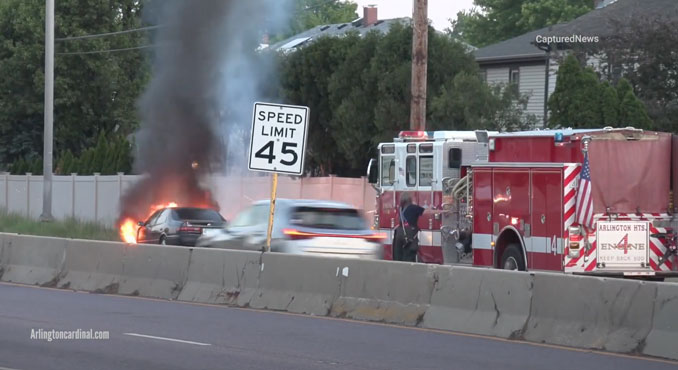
{"x": 106, "y": 51}
{"x": 107, "y": 34}
{"x": 148, "y": 28}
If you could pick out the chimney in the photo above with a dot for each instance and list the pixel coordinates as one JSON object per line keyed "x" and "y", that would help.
{"x": 265, "y": 39}
{"x": 370, "y": 15}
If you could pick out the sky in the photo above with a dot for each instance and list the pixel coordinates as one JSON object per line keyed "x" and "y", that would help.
{"x": 439, "y": 11}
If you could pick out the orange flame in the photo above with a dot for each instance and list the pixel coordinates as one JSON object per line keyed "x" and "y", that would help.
{"x": 161, "y": 206}
{"x": 128, "y": 231}
{"x": 129, "y": 227}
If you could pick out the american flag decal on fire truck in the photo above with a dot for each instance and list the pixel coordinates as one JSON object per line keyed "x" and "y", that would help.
{"x": 584, "y": 197}
{"x": 586, "y": 260}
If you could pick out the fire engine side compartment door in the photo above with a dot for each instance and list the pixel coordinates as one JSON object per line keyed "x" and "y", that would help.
{"x": 546, "y": 220}
{"x": 482, "y": 217}
{"x": 511, "y": 193}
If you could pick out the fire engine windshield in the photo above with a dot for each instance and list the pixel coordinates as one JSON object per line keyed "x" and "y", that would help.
{"x": 629, "y": 176}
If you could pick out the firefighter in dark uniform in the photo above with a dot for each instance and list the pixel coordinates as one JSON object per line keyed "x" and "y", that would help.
{"x": 405, "y": 240}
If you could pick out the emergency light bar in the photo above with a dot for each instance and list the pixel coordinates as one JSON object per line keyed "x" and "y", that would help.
{"x": 416, "y": 135}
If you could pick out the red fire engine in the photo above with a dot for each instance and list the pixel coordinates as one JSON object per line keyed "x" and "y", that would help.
{"x": 509, "y": 200}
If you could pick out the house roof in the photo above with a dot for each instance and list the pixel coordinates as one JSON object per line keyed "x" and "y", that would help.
{"x": 517, "y": 48}
{"x": 336, "y": 30}
{"x": 603, "y": 21}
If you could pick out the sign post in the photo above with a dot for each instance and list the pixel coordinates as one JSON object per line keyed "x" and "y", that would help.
{"x": 278, "y": 145}
{"x": 271, "y": 212}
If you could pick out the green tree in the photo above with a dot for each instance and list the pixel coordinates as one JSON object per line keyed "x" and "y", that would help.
{"x": 111, "y": 159}
{"x": 74, "y": 167}
{"x": 65, "y": 163}
{"x": 632, "y": 112}
{"x": 373, "y": 104}
{"x": 609, "y": 105}
{"x": 542, "y": 13}
{"x": 353, "y": 94}
{"x": 36, "y": 166}
{"x": 358, "y": 90}
{"x": 307, "y": 14}
{"x": 18, "y": 167}
{"x": 124, "y": 156}
{"x": 624, "y": 88}
{"x": 92, "y": 92}
{"x": 392, "y": 71}
{"x": 492, "y": 21}
{"x": 117, "y": 157}
{"x": 86, "y": 161}
{"x": 100, "y": 152}
{"x": 25, "y": 165}
{"x": 468, "y": 103}
{"x": 587, "y": 111}
{"x": 304, "y": 79}
{"x": 642, "y": 50}
{"x": 108, "y": 157}
{"x": 576, "y": 99}
{"x": 581, "y": 100}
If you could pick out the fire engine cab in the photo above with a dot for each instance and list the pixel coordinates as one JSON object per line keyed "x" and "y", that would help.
{"x": 517, "y": 200}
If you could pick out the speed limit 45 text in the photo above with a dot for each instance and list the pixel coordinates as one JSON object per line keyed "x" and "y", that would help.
{"x": 279, "y": 118}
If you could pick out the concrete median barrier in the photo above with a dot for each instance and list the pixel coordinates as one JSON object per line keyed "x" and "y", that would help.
{"x": 384, "y": 291}
{"x": 591, "y": 312}
{"x": 129, "y": 269}
{"x": 662, "y": 341}
{"x": 616, "y": 315}
{"x": 480, "y": 301}
{"x": 93, "y": 266}
{"x": 31, "y": 260}
{"x": 300, "y": 284}
{"x": 221, "y": 277}
{"x": 153, "y": 270}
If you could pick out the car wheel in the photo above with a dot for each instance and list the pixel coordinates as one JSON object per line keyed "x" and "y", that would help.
{"x": 163, "y": 240}
{"x": 512, "y": 259}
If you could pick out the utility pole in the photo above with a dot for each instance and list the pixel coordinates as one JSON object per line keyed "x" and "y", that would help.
{"x": 419, "y": 65}
{"x": 49, "y": 112}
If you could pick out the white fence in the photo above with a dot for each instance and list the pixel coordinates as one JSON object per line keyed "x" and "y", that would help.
{"x": 97, "y": 198}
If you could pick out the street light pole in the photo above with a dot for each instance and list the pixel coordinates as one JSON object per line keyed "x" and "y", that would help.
{"x": 419, "y": 65}
{"x": 49, "y": 111}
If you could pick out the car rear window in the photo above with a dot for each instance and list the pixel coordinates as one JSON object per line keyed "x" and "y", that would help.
{"x": 328, "y": 218}
{"x": 197, "y": 214}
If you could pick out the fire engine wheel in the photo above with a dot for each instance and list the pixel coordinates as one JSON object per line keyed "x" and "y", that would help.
{"x": 512, "y": 259}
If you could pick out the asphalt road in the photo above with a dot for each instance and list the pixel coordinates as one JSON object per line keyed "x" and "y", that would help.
{"x": 190, "y": 336}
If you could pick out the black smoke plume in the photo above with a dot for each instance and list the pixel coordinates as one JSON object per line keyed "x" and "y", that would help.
{"x": 200, "y": 64}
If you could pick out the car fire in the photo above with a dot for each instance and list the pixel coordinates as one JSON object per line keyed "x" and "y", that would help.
{"x": 128, "y": 227}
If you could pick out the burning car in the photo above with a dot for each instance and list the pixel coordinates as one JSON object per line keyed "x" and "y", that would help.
{"x": 172, "y": 225}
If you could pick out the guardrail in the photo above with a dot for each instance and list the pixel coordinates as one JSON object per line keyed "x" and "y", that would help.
{"x": 625, "y": 316}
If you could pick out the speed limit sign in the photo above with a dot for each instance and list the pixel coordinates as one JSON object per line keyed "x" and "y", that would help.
{"x": 278, "y": 139}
